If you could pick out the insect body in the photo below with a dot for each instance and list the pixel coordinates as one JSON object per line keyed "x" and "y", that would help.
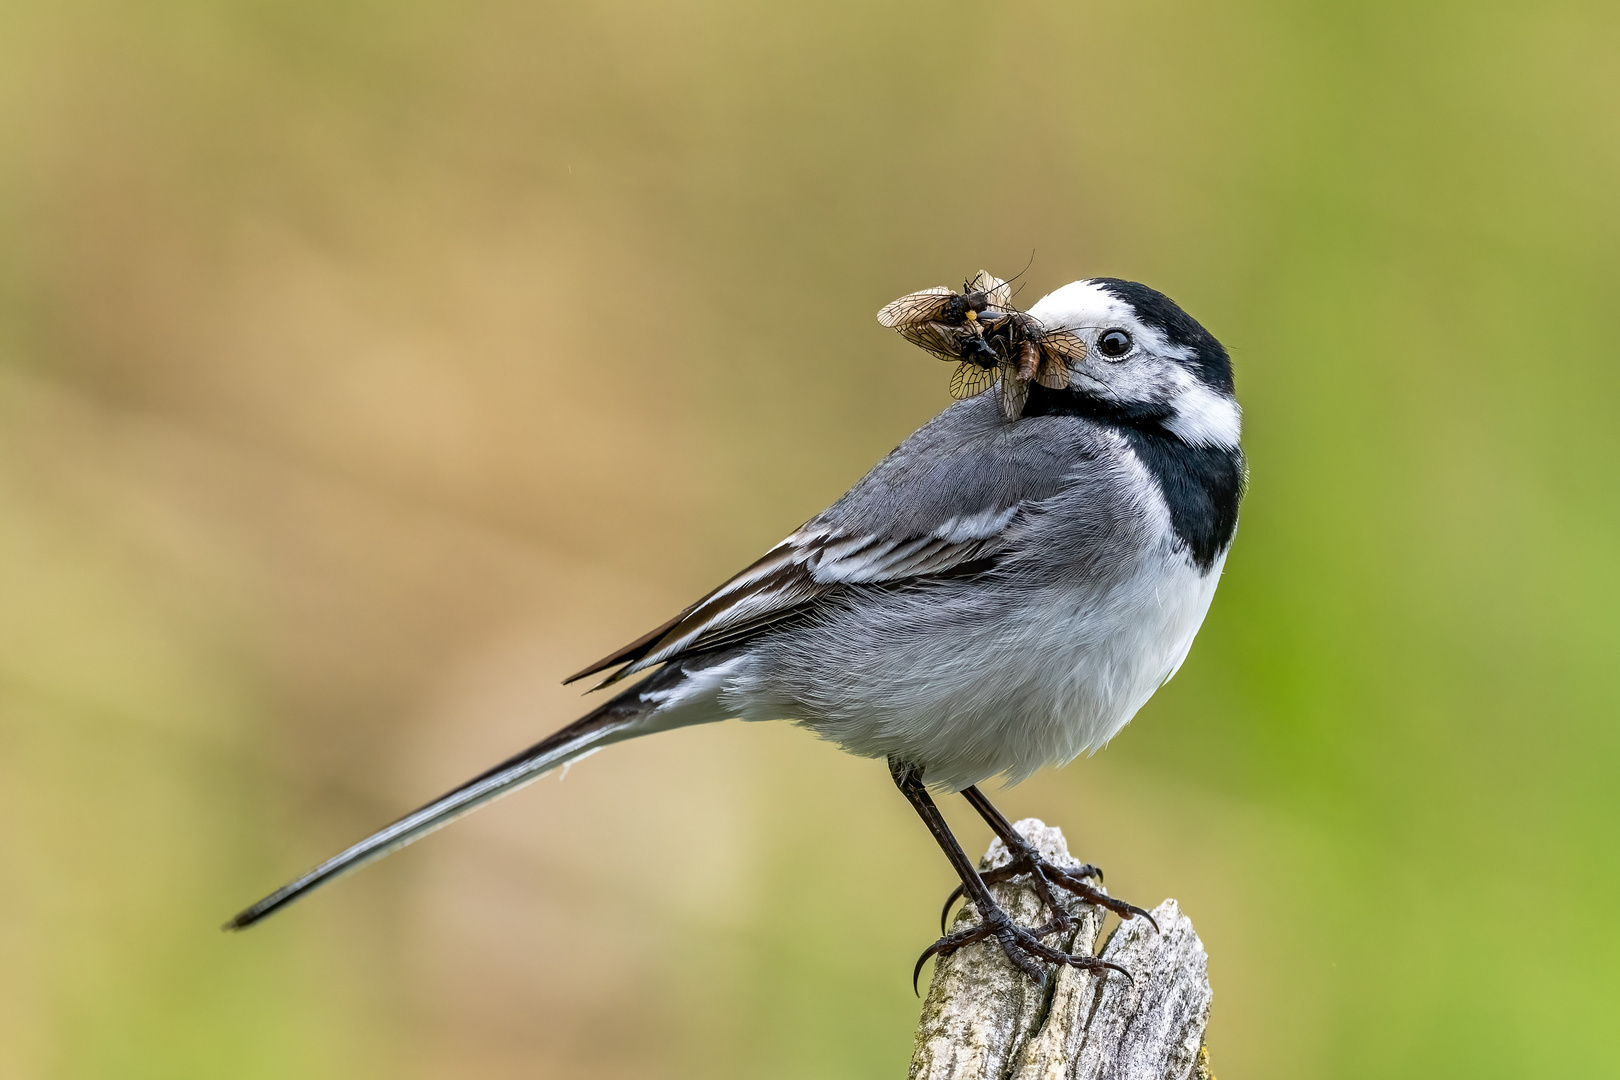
{"x": 988, "y": 338}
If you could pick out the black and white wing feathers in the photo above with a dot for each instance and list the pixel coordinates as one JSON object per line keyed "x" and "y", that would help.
{"x": 948, "y": 501}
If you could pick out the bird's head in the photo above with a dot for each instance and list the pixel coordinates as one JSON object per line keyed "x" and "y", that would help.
{"x": 1146, "y": 361}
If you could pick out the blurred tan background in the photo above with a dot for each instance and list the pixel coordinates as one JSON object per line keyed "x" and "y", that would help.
{"x": 367, "y": 368}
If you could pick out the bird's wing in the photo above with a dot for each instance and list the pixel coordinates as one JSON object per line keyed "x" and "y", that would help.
{"x": 947, "y": 502}
{"x": 792, "y": 575}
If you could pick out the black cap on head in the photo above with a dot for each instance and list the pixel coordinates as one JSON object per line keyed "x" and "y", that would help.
{"x": 1164, "y": 314}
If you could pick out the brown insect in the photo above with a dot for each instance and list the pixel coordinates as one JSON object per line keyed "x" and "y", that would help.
{"x": 988, "y": 339}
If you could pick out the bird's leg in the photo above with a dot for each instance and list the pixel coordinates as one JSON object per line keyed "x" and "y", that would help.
{"x": 1023, "y": 947}
{"x": 1042, "y": 874}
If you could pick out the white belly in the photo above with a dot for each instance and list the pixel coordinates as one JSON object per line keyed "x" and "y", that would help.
{"x": 1047, "y": 680}
{"x": 1080, "y": 670}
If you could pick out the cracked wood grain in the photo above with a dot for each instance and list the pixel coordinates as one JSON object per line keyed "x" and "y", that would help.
{"x": 984, "y": 1020}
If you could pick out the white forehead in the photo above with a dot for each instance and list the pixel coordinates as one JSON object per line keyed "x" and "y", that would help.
{"x": 1081, "y": 303}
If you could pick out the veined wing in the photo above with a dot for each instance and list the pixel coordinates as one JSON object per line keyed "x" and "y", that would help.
{"x": 941, "y": 341}
{"x": 1014, "y": 392}
{"x": 971, "y": 380}
{"x": 1066, "y": 343}
{"x": 915, "y": 307}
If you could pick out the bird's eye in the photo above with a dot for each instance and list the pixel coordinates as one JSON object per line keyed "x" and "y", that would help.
{"x": 1114, "y": 344}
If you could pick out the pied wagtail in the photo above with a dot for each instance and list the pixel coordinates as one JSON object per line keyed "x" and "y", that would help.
{"x": 996, "y": 595}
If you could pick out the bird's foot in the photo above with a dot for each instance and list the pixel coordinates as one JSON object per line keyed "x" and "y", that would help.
{"x": 1023, "y": 946}
{"x": 1046, "y": 876}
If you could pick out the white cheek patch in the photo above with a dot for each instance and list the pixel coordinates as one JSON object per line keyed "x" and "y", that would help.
{"x": 1204, "y": 418}
{"x": 1201, "y": 417}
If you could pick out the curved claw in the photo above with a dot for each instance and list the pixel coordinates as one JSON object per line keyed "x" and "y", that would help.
{"x": 1067, "y": 879}
{"x": 944, "y": 947}
{"x": 945, "y": 912}
{"x": 916, "y": 972}
{"x": 1024, "y": 947}
{"x": 1131, "y": 911}
{"x": 1099, "y": 965}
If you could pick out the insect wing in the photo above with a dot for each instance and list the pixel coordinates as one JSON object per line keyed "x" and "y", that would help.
{"x": 917, "y": 307}
{"x": 970, "y": 380}
{"x": 942, "y": 341}
{"x": 996, "y": 292}
{"x": 1065, "y": 343}
{"x": 1053, "y": 373}
{"x": 1014, "y": 392}
{"x": 1057, "y": 348}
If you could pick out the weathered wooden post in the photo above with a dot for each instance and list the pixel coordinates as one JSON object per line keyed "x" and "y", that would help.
{"x": 984, "y": 1020}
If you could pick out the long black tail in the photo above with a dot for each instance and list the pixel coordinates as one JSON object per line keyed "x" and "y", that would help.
{"x": 613, "y": 721}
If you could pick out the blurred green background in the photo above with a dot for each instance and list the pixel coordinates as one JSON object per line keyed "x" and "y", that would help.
{"x": 367, "y": 367}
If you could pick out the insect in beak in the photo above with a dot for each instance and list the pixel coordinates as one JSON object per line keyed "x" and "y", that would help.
{"x": 990, "y": 340}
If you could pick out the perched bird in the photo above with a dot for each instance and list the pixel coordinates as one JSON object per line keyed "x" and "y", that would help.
{"x": 994, "y": 596}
